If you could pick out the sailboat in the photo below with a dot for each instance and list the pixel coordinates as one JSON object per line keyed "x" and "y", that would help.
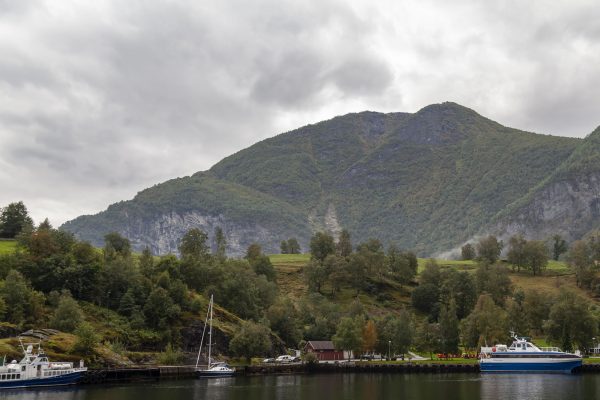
{"x": 213, "y": 369}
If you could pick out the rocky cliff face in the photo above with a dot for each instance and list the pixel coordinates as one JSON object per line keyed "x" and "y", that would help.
{"x": 163, "y": 233}
{"x": 570, "y": 208}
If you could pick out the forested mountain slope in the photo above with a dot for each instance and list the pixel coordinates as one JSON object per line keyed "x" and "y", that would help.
{"x": 427, "y": 181}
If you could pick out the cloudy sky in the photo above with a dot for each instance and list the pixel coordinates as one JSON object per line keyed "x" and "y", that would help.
{"x": 100, "y": 99}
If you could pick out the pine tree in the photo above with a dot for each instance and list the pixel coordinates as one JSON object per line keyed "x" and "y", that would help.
{"x": 221, "y": 244}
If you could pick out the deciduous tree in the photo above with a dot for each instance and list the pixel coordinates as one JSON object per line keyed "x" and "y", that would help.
{"x": 14, "y": 218}
{"x": 194, "y": 245}
{"x": 116, "y": 245}
{"x": 489, "y": 249}
{"x": 251, "y": 340}
{"x": 580, "y": 259}
{"x": 516, "y": 252}
{"x": 344, "y": 245}
{"x": 321, "y": 245}
{"x": 487, "y": 324}
{"x": 536, "y": 256}
{"x": 293, "y": 246}
{"x": 559, "y": 246}
{"x": 67, "y": 315}
{"x": 369, "y": 336}
{"x": 253, "y": 252}
{"x": 348, "y": 335}
{"x": 449, "y": 332}
{"x": 468, "y": 252}
{"x": 571, "y": 322}
{"x": 284, "y": 247}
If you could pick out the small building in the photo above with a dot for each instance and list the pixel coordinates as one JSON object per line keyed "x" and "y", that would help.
{"x": 324, "y": 350}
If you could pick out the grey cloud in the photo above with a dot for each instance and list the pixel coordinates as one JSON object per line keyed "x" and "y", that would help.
{"x": 363, "y": 77}
{"x": 106, "y": 99}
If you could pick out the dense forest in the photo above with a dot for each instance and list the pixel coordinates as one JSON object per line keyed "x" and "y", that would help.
{"x": 140, "y": 302}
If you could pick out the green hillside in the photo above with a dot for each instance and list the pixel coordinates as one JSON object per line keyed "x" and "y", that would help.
{"x": 290, "y": 279}
{"x": 426, "y": 181}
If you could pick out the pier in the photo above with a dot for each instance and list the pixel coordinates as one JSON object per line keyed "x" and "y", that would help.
{"x": 114, "y": 375}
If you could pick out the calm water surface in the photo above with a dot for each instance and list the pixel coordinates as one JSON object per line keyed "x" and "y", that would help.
{"x": 338, "y": 387}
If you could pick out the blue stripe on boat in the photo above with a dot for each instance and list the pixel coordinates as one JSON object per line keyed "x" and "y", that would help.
{"x": 566, "y": 367}
{"x": 66, "y": 379}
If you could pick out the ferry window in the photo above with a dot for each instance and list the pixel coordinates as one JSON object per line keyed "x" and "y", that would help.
{"x": 18, "y": 376}
{"x": 3, "y": 376}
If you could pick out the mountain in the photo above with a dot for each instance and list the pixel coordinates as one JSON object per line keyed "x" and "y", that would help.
{"x": 427, "y": 181}
{"x": 567, "y": 202}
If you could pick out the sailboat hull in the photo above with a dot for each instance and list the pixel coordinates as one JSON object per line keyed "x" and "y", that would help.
{"x": 214, "y": 374}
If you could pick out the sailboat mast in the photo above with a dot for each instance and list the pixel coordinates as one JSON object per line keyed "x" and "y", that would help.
{"x": 203, "y": 332}
{"x": 210, "y": 330}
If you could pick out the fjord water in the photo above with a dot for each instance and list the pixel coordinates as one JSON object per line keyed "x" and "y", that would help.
{"x": 338, "y": 387}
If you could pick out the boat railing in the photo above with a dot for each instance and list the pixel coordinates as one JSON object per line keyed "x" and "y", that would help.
{"x": 550, "y": 349}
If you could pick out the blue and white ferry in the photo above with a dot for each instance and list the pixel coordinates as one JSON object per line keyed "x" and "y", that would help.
{"x": 36, "y": 370}
{"x": 524, "y": 356}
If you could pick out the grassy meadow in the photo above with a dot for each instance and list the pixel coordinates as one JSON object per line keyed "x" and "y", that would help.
{"x": 7, "y": 246}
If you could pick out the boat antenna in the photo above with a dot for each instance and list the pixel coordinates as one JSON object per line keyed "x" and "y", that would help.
{"x": 21, "y": 344}
{"x": 203, "y": 332}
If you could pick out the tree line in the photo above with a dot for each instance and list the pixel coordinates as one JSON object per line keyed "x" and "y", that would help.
{"x": 57, "y": 281}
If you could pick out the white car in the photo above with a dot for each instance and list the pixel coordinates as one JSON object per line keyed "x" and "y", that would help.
{"x": 284, "y": 359}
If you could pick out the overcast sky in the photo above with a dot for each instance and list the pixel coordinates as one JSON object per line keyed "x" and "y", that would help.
{"x": 101, "y": 99}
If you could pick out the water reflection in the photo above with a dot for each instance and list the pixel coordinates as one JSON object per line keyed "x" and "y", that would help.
{"x": 338, "y": 387}
{"x": 537, "y": 386}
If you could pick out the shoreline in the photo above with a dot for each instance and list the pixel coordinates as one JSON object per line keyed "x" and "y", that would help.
{"x": 117, "y": 375}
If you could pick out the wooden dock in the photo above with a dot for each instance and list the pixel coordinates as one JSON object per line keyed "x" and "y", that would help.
{"x": 112, "y": 375}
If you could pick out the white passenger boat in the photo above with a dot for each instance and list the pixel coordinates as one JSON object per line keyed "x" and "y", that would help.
{"x": 36, "y": 370}
{"x": 524, "y": 356}
{"x": 213, "y": 369}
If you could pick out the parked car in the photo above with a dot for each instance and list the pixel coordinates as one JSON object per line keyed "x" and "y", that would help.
{"x": 284, "y": 359}
{"x": 268, "y": 360}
